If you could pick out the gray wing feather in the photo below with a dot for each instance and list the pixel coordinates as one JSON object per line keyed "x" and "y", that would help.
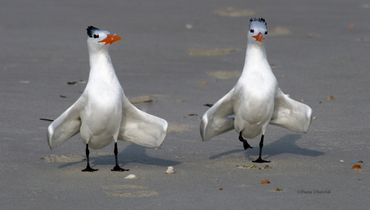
{"x": 291, "y": 114}
{"x": 219, "y": 118}
{"x": 141, "y": 128}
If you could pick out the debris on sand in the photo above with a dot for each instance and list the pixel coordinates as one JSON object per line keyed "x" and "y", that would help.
{"x": 247, "y": 166}
{"x": 265, "y": 182}
{"x": 131, "y": 176}
{"x": 330, "y": 98}
{"x": 71, "y": 82}
{"x": 253, "y": 166}
{"x": 356, "y": 166}
{"x": 141, "y": 99}
{"x": 46, "y": 119}
{"x": 278, "y": 189}
{"x": 234, "y": 12}
{"x": 170, "y": 170}
{"x": 208, "y": 105}
{"x": 76, "y": 82}
{"x": 266, "y": 167}
{"x": 193, "y": 115}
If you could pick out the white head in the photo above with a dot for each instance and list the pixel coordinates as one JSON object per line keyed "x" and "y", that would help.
{"x": 100, "y": 39}
{"x": 257, "y": 30}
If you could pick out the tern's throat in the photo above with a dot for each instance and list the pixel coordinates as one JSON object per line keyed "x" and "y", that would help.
{"x": 255, "y": 53}
{"x": 255, "y": 59}
{"x": 98, "y": 58}
{"x": 101, "y": 67}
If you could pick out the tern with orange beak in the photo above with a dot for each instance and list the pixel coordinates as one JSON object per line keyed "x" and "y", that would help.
{"x": 103, "y": 114}
{"x": 256, "y": 100}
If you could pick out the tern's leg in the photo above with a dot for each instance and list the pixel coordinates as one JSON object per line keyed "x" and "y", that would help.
{"x": 88, "y": 168}
{"x": 245, "y": 143}
{"x": 259, "y": 159}
{"x": 117, "y": 167}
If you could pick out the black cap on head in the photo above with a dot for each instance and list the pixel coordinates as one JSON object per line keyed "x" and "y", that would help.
{"x": 90, "y": 30}
{"x": 262, "y": 20}
{"x": 257, "y": 19}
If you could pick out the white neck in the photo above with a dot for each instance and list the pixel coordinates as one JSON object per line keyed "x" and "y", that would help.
{"x": 101, "y": 67}
{"x": 255, "y": 56}
{"x": 255, "y": 51}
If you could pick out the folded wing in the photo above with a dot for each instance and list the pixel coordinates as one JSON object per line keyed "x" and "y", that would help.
{"x": 141, "y": 128}
{"x": 219, "y": 118}
{"x": 291, "y": 114}
{"x": 66, "y": 125}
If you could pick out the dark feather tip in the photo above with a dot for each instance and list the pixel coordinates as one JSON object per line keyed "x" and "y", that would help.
{"x": 90, "y": 30}
{"x": 257, "y": 19}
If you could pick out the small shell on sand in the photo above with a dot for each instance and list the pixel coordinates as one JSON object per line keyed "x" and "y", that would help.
{"x": 131, "y": 176}
{"x": 170, "y": 170}
{"x": 356, "y": 166}
{"x": 265, "y": 182}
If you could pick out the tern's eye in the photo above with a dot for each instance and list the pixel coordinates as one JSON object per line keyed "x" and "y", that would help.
{"x": 96, "y": 36}
{"x": 252, "y": 31}
{"x": 265, "y": 32}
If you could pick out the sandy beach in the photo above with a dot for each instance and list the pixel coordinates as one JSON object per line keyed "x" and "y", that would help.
{"x": 175, "y": 57}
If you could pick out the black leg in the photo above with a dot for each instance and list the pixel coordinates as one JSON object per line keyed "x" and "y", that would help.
{"x": 245, "y": 143}
{"x": 88, "y": 168}
{"x": 117, "y": 167}
{"x": 259, "y": 159}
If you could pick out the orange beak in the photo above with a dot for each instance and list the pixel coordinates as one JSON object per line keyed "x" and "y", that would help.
{"x": 258, "y": 37}
{"x": 111, "y": 38}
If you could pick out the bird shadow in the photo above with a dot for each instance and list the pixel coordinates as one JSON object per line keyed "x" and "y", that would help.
{"x": 284, "y": 145}
{"x": 131, "y": 154}
{"x": 134, "y": 154}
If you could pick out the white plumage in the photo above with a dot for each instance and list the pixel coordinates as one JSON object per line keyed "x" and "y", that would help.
{"x": 103, "y": 113}
{"x": 256, "y": 100}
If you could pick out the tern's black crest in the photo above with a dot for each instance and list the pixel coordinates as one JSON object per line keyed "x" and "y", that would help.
{"x": 258, "y": 21}
{"x": 262, "y": 20}
{"x": 90, "y": 30}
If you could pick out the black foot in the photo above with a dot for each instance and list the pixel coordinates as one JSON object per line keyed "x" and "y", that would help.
{"x": 260, "y": 160}
{"x": 244, "y": 141}
{"x": 246, "y": 145}
{"x": 89, "y": 169}
{"x": 117, "y": 168}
